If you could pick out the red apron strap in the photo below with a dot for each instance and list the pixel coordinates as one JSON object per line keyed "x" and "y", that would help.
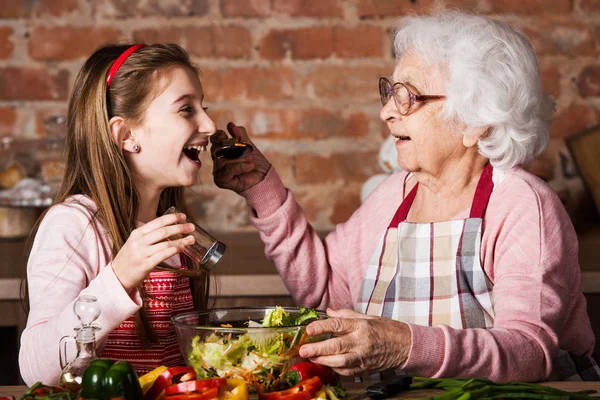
{"x": 402, "y": 211}
{"x": 484, "y": 189}
{"x": 485, "y": 186}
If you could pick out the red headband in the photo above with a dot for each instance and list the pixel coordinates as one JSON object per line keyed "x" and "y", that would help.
{"x": 117, "y": 64}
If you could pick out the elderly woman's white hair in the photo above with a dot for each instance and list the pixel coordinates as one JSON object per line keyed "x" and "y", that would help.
{"x": 493, "y": 80}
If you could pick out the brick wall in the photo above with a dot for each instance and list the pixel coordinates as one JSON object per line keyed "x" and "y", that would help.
{"x": 300, "y": 74}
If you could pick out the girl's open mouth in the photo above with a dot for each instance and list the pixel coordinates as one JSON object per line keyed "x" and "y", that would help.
{"x": 397, "y": 138}
{"x": 193, "y": 152}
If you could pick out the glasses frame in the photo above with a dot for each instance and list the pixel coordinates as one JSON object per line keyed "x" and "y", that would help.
{"x": 412, "y": 97}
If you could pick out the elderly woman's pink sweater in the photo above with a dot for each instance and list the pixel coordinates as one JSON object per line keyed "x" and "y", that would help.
{"x": 529, "y": 251}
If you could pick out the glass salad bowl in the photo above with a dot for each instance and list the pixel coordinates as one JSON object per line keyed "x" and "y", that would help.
{"x": 248, "y": 343}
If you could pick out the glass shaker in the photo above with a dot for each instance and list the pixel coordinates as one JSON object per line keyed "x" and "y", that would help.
{"x": 206, "y": 250}
{"x": 87, "y": 310}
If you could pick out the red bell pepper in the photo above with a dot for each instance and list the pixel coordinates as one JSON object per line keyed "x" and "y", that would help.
{"x": 179, "y": 374}
{"x": 306, "y": 369}
{"x": 304, "y": 390}
{"x": 195, "y": 385}
{"x": 202, "y": 394}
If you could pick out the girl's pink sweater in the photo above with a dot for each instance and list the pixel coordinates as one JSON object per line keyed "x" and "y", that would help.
{"x": 529, "y": 251}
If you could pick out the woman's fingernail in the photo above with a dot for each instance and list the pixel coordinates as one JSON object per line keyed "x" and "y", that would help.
{"x": 303, "y": 353}
{"x": 190, "y": 227}
{"x": 310, "y": 330}
{"x": 182, "y": 216}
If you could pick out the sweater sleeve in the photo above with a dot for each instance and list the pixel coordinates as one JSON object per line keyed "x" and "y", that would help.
{"x": 309, "y": 266}
{"x": 67, "y": 260}
{"x": 530, "y": 250}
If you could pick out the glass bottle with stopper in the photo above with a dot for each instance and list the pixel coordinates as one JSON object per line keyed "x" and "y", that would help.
{"x": 87, "y": 310}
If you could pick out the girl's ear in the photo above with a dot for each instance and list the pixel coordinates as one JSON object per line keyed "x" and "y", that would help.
{"x": 121, "y": 138}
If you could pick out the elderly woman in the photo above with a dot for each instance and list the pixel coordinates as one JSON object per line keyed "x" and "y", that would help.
{"x": 465, "y": 265}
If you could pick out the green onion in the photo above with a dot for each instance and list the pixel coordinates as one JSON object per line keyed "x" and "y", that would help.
{"x": 485, "y": 389}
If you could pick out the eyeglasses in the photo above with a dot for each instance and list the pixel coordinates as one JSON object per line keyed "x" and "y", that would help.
{"x": 403, "y": 97}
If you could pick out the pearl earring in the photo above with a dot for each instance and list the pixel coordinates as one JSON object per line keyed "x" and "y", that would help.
{"x": 136, "y": 148}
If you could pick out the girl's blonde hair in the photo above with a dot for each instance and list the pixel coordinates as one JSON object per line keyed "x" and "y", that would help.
{"x": 96, "y": 166}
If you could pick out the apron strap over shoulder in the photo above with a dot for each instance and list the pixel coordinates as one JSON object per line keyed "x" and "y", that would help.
{"x": 484, "y": 189}
{"x": 485, "y": 186}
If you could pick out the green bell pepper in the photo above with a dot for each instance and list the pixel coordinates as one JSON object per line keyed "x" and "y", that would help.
{"x": 105, "y": 379}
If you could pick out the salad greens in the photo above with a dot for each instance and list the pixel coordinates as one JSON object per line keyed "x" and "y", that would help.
{"x": 280, "y": 317}
{"x": 254, "y": 355}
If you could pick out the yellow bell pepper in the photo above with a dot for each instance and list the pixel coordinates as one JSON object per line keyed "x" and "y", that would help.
{"x": 234, "y": 389}
{"x": 148, "y": 379}
{"x": 321, "y": 394}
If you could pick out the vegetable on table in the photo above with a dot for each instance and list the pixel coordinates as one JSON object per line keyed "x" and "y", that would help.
{"x": 306, "y": 369}
{"x": 147, "y": 380}
{"x": 234, "y": 389}
{"x": 304, "y": 390}
{"x": 105, "y": 379}
{"x": 478, "y": 388}
{"x": 39, "y": 391}
{"x": 168, "y": 377}
{"x": 208, "y": 389}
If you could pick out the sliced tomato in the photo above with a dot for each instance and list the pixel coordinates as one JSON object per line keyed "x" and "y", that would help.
{"x": 195, "y": 385}
{"x": 202, "y": 394}
{"x": 304, "y": 390}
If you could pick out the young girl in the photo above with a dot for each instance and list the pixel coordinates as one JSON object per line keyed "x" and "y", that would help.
{"x": 136, "y": 125}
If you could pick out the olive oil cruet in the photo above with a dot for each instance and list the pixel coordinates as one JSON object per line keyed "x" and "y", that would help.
{"x": 87, "y": 310}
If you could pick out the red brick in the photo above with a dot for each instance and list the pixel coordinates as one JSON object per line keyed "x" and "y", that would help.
{"x": 550, "y": 76}
{"x": 466, "y": 5}
{"x": 364, "y": 41}
{"x": 6, "y": 45}
{"x": 559, "y": 36}
{"x": 249, "y": 83}
{"x": 302, "y": 43}
{"x": 283, "y": 166}
{"x": 148, "y": 8}
{"x": 312, "y": 201}
{"x": 55, "y": 8}
{"x": 589, "y": 81}
{"x": 198, "y": 41}
{"x": 8, "y": 119}
{"x": 322, "y": 123}
{"x": 231, "y": 41}
{"x": 220, "y": 116}
{"x": 387, "y": 8}
{"x": 65, "y": 43}
{"x": 33, "y": 84}
{"x": 162, "y": 35}
{"x": 349, "y": 167}
{"x": 40, "y": 129}
{"x": 293, "y": 123}
{"x": 16, "y": 9}
{"x": 589, "y": 6}
{"x": 572, "y": 120}
{"x": 343, "y": 83}
{"x": 530, "y": 7}
{"x": 346, "y": 203}
{"x": 246, "y": 8}
{"x": 309, "y": 8}
{"x": 544, "y": 165}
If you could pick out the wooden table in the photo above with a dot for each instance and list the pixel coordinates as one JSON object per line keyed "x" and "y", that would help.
{"x": 359, "y": 388}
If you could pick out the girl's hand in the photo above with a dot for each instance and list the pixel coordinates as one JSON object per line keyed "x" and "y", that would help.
{"x": 360, "y": 343}
{"x": 147, "y": 246}
{"x": 240, "y": 174}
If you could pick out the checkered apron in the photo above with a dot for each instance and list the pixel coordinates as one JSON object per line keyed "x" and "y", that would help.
{"x": 431, "y": 274}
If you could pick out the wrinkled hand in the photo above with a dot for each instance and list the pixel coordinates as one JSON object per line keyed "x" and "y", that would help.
{"x": 240, "y": 174}
{"x": 360, "y": 343}
{"x": 147, "y": 246}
